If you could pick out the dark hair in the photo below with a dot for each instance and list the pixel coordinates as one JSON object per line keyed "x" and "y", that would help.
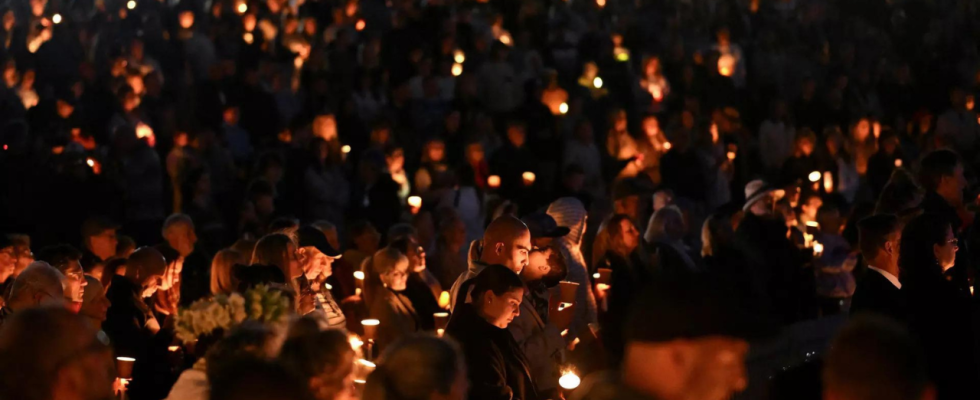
{"x": 249, "y": 378}
{"x": 935, "y": 166}
{"x": 494, "y": 278}
{"x": 916, "y": 256}
{"x": 401, "y": 231}
{"x": 875, "y": 358}
{"x": 873, "y": 232}
{"x": 246, "y": 340}
{"x": 169, "y": 254}
{"x": 249, "y": 276}
{"x": 271, "y": 250}
{"x": 414, "y": 369}
{"x": 59, "y": 255}
{"x": 319, "y": 354}
{"x": 900, "y": 195}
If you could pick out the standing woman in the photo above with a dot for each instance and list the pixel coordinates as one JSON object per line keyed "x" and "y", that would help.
{"x": 389, "y": 305}
{"x": 940, "y": 312}
{"x": 497, "y": 366}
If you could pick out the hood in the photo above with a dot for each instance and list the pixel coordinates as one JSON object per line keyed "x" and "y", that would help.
{"x": 569, "y": 212}
{"x": 473, "y": 263}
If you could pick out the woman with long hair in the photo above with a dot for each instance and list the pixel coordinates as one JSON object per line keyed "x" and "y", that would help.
{"x": 496, "y": 363}
{"x": 939, "y": 311}
{"x": 278, "y": 250}
{"x": 419, "y": 368}
{"x": 221, "y": 278}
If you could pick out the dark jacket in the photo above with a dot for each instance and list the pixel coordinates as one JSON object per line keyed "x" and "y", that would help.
{"x": 940, "y": 317}
{"x": 625, "y": 283}
{"x": 541, "y": 342}
{"x": 126, "y": 325}
{"x": 497, "y": 367}
{"x": 608, "y": 385}
{"x": 422, "y": 299}
{"x": 777, "y": 267}
{"x": 875, "y": 294}
{"x": 398, "y": 318}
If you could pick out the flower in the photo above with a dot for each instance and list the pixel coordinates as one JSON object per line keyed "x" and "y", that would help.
{"x": 222, "y": 313}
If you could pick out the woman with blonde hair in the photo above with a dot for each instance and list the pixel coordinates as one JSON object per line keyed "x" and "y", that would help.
{"x": 221, "y": 277}
{"x": 389, "y": 305}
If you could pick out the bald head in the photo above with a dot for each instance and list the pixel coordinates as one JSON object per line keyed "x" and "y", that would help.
{"x": 51, "y": 353}
{"x": 146, "y": 267}
{"x": 39, "y": 284}
{"x": 507, "y": 242}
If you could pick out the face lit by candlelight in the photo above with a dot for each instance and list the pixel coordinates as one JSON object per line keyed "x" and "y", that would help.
{"x": 537, "y": 267}
{"x": 500, "y": 310}
{"x": 396, "y": 278}
{"x": 651, "y": 126}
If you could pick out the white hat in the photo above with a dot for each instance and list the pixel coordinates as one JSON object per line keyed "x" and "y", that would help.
{"x": 756, "y": 190}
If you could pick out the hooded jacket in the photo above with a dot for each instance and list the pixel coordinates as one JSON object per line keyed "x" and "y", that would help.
{"x": 474, "y": 266}
{"x": 569, "y": 212}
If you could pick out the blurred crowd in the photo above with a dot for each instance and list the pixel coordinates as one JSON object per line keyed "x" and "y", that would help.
{"x": 514, "y": 174}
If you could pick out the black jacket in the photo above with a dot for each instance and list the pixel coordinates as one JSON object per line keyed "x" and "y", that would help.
{"x": 498, "y": 369}
{"x": 777, "y": 268}
{"x": 875, "y": 294}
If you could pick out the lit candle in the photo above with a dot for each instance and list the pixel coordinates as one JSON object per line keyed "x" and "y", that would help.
{"x": 415, "y": 201}
{"x": 440, "y": 332}
{"x": 124, "y": 367}
{"x": 444, "y": 299}
{"x": 345, "y": 149}
{"x": 360, "y": 25}
{"x": 528, "y": 178}
{"x": 898, "y": 163}
{"x": 370, "y": 328}
{"x": 597, "y": 82}
{"x": 731, "y": 156}
{"x": 493, "y": 181}
{"x": 813, "y": 224}
{"x": 242, "y": 8}
{"x": 815, "y": 176}
{"x": 457, "y": 69}
{"x": 569, "y": 380}
{"x": 248, "y": 37}
{"x": 563, "y": 108}
{"x": 817, "y": 248}
{"x": 505, "y": 38}
{"x": 726, "y": 65}
{"x": 666, "y": 146}
{"x": 355, "y": 341}
{"x": 459, "y": 56}
{"x": 131, "y": 4}
{"x": 359, "y": 275}
{"x": 90, "y": 162}
{"x": 367, "y": 363}
{"x": 56, "y": 18}
{"x": 828, "y": 181}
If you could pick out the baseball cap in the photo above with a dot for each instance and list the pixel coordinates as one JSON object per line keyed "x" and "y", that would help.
{"x": 691, "y": 307}
{"x": 543, "y": 225}
{"x": 310, "y": 236}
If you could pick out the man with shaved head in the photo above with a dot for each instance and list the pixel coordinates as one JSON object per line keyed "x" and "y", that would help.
{"x": 39, "y": 284}
{"x": 507, "y": 242}
{"x": 131, "y": 324}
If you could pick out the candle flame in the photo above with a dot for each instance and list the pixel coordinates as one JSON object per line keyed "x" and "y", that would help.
{"x": 355, "y": 341}
{"x": 370, "y": 322}
{"x": 493, "y": 181}
{"x": 457, "y": 69}
{"x": 731, "y": 156}
{"x": 569, "y": 380}
{"x": 563, "y": 108}
{"x": 56, "y": 18}
{"x": 131, "y": 4}
{"x": 173, "y": 349}
{"x": 815, "y": 176}
{"x": 898, "y": 163}
{"x": 528, "y": 178}
{"x": 459, "y": 56}
{"x": 90, "y": 162}
{"x": 444, "y": 299}
{"x": 242, "y": 8}
{"x": 345, "y": 149}
{"x": 415, "y": 201}
{"x": 360, "y": 25}
{"x": 667, "y": 145}
{"x": 597, "y": 82}
{"x": 359, "y": 275}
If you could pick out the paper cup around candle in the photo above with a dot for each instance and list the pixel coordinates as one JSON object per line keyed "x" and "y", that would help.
{"x": 814, "y": 176}
{"x": 370, "y": 328}
{"x": 415, "y": 201}
{"x": 345, "y": 149}
{"x": 442, "y": 319}
{"x": 898, "y": 162}
{"x": 605, "y": 276}
{"x": 124, "y": 367}
{"x": 444, "y": 300}
{"x": 568, "y": 291}
{"x": 528, "y": 178}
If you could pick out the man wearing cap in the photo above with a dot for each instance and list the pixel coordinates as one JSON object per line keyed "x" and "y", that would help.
{"x": 317, "y": 257}
{"x": 685, "y": 339}
{"x": 537, "y": 329}
{"x": 776, "y": 265}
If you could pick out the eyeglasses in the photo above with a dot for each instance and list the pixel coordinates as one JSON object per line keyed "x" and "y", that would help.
{"x": 953, "y": 241}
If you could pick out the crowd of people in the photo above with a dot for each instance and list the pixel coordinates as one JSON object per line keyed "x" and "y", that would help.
{"x": 489, "y": 199}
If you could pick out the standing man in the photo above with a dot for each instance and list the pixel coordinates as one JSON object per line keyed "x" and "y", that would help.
{"x": 506, "y": 241}
{"x": 880, "y": 291}
{"x": 195, "y": 277}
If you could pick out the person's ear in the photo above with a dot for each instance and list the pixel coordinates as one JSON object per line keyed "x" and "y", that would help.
{"x": 889, "y": 247}
{"x": 498, "y": 248}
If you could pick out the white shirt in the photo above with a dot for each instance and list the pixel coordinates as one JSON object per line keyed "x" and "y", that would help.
{"x": 891, "y": 278}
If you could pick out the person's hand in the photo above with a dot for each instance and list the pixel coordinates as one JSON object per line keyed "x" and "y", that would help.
{"x": 119, "y": 385}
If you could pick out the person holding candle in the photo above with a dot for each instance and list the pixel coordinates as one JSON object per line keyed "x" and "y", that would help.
{"x": 419, "y": 368}
{"x": 496, "y": 364}
{"x": 571, "y": 213}
{"x": 939, "y": 308}
{"x": 422, "y": 288}
{"x": 317, "y": 257}
{"x": 506, "y": 241}
{"x": 390, "y": 306}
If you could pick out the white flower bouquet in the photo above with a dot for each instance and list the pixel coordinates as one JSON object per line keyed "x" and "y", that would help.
{"x": 223, "y": 312}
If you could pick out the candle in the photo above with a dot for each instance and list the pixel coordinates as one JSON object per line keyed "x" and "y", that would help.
{"x": 898, "y": 163}
{"x": 345, "y": 149}
{"x": 370, "y": 328}
{"x": 731, "y": 156}
{"x": 90, "y": 162}
{"x": 726, "y": 65}
{"x": 666, "y": 146}
{"x": 359, "y": 275}
{"x": 131, "y": 4}
{"x": 367, "y": 363}
{"x": 124, "y": 367}
{"x": 815, "y": 176}
{"x": 442, "y": 319}
{"x": 248, "y": 37}
{"x": 505, "y": 38}
{"x": 563, "y": 108}
{"x": 813, "y": 224}
{"x": 444, "y": 300}
{"x": 828, "y": 181}
{"x": 817, "y": 248}
{"x": 528, "y": 178}
{"x": 568, "y": 291}
{"x": 173, "y": 349}
{"x": 355, "y": 341}
{"x": 569, "y": 380}
{"x": 605, "y": 276}
{"x": 493, "y": 181}
{"x": 457, "y": 69}
{"x": 597, "y": 82}
{"x": 459, "y": 56}
{"x": 56, "y": 18}
{"x": 242, "y": 8}
{"x": 360, "y": 25}
{"x": 440, "y": 332}
{"x": 415, "y": 201}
